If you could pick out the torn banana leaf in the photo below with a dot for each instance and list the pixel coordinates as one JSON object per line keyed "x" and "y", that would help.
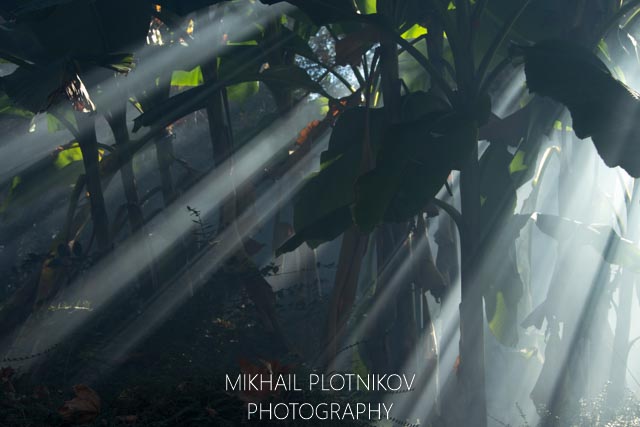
{"x": 601, "y": 106}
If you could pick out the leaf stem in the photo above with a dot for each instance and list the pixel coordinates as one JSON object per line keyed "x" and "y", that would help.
{"x": 499, "y": 39}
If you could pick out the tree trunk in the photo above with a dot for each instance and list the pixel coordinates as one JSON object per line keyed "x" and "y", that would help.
{"x": 117, "y": 119}
{"x": 164, "y": 145}
{"x": 118, "y": 122}
{"x": 90, "y": 157}
{"x": 471, "y": 371}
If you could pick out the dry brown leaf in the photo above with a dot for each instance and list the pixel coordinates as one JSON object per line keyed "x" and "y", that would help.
{"x": 83, "y": 408}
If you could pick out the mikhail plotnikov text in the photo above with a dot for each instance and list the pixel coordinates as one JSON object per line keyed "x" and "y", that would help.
{"x": 327, "y": 383}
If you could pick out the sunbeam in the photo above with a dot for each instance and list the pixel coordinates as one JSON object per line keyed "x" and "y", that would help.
{"x": 167, "y": 228}
{"x": 196, "y": 274}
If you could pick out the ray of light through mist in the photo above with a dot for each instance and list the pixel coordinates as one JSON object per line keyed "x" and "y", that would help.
{"x": 195, "y": 275}
{"x": 121, "y": 267}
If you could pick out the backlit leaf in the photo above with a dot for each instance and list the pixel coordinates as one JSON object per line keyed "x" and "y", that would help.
{"x": 601, "y": 107}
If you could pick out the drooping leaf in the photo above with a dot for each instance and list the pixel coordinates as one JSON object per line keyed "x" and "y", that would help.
{"x": 600, "y": 105}
{"x": 324, "y": 229}
{"x": 321, "y": 215}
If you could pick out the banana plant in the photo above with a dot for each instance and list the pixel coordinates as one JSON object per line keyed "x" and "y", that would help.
{"x": 413, "y": 152}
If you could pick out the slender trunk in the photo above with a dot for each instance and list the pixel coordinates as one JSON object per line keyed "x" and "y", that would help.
{"x": 90, "y": 157}
{"x": 164, "y": 145}
{"x": 471, "y": 369}
{"x": 118, "y": 122}
{"x": 117, "y": 119}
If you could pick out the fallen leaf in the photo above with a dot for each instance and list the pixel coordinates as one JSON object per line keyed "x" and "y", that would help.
{"x": 83, "y": 408}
